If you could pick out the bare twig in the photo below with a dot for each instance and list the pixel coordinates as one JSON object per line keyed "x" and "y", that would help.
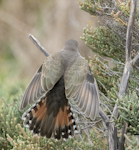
{"x": 104, "y": 116}
{"x": 37, "y": 43}
{"x": 11, "y": 140}
{"x": 122, "y": 139}
{"x": 127, "y": 138}
{"x": 133, "y": 62}
{"x": 106, "y": 107}
{"x": 130, "y": 30}
{"x": 22, "y": 131}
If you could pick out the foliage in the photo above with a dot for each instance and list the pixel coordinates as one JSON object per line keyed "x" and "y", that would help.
{"x": 114, "y": 16}
{"x": 133, "y": 143}
{"x": 106, "y": 40}
{"x": 129, "y": 112}
{"x": 107, "y": 77}
{"x": 109, "y": 40}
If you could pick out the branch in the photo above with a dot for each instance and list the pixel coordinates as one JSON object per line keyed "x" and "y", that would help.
{"x": 104, "y": 116}
{"x": 136, "y": 58}
{"x": 128, "y": 66}
{"x": 22, "y": 131}
{"x": 122, "y": 139}
{"x": 112, "y": 136}
{"x": 127, "y": 138}
{"x": 11, "y": 140}
{"x": 37, "y": 43}
{"x": 125, "y": 79}
{"x": 126, "y": 73}
{"x": 130, "y": 30}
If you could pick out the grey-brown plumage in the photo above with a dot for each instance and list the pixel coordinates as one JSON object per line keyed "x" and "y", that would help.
{"x": 64, "y": 75}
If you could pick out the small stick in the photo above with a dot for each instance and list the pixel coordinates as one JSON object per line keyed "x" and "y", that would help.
{"x": 136, "y": 58}
{"x": 11, "y": 140}
{"x": 122, "y": 139}
{"x": 22, "y": 131}
{"x": 38, "y": 44}
{"x": 130, "y": 30}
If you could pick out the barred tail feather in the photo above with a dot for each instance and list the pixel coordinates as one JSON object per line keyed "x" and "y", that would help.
{"x": 49, "y": 119}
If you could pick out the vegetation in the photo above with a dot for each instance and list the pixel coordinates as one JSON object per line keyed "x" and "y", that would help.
{"x": 108, "y": 41}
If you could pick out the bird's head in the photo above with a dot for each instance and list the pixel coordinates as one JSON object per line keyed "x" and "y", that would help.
{"x": 71, "y": 45}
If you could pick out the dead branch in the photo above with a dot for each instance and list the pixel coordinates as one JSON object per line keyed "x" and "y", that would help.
{"x": 122, "y": 139}
{"x": 38, "y": 44}
{"x": 136, "y": 58}
{"x": 127, "y": 70}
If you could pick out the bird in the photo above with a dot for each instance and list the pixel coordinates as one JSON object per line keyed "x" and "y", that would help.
{"x": 63, "y": 76}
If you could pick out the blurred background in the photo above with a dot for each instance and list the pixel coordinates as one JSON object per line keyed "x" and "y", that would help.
{"x": 52, "y": 22}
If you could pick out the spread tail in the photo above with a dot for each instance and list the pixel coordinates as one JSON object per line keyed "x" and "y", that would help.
{"x": 47, "y": 118}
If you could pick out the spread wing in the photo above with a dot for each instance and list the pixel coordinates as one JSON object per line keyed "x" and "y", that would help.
{"x": 44, "y": 79}
{"x": 81, "y": 86}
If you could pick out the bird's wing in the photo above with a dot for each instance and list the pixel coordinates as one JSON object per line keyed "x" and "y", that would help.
{"x": 81, "y": 86}
{"x": 44, "y": 79}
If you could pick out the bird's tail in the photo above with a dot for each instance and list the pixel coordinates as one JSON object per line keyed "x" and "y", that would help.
{"x": 46, "y": 118}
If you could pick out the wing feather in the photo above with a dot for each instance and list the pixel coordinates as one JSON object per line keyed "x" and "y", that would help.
{"x": 31, "y": 93}
{"x": 89, "y": 101}
{"x": 86, "y": 98}
{"x": 44, "y": 79}
{"x": 81, "y": 86}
